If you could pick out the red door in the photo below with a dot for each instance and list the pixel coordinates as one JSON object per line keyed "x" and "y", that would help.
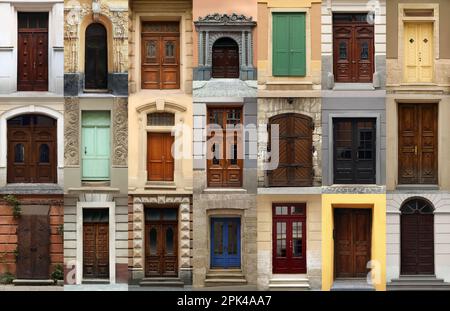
{"x": 289, "y": 238}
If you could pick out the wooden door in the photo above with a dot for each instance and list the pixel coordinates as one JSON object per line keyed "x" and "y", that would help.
{"x": 225, "y": 59}
{"x": 418, "y": 52}
{"x": 224, "y": 157}
{"x": 32, "y": 149}
{"x": 96, "y": 145}
{"x": 417, "y": 238}
{"x": 160, "y": 163}
{"x": 289, "y": 237}
{"x": 160, "y": 64}
{"x": 32, "y": 67}
{"x": 295, "y": 151}
{"x": 354, "y": 151}
{"x": 353, "y": 48}
{"x": 33, "y": 245}
{"x": 161, "y": 242}
{"x": 352, "y": 242}
{"x": 225, "y": 243}
{"x": 417, "y": 147}
{"x": 96, "y": 57}
{"x": 95, "y": 243}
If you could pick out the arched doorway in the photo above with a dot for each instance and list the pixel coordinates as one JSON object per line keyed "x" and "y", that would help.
{"x": 225, "y": 59}
{"x": 96, "y": 57}
{"x": 31, "y": 149}
{"x": 417, "y": 237}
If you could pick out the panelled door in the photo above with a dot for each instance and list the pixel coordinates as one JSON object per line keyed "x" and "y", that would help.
{"x": 294, "y": 151}
{"x": 95, "y": 149}
{"x": 353, "y": 48}
{"x": 417, "y": 147}
{"x": 33, "y": 242}
{"x": 160, "y": 63}
{"x": 161, "y": 242}
{"x": 289, "y": 238}
{"x": 32, "y": 149}
{"x": 224, "y": 157}
{"x": 354, "y": 151}
{"x": 95, "y": 243}
{"x": 417, "y": 238}
{"x": 225, "y": 243}
{"x": 225, "y": 59}
{"x": 96, "y": 57}
{"x": 160, "y": 163}
{"x": 418, "y": 52}
{"x": 32, "y": 41}
{"x": 352, "y": 241}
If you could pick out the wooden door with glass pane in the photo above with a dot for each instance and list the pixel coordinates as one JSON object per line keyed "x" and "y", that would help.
{"x": 32, "y": 42}
{"x": 289, "y": 237}
{"x": 353, "y": 48}
{"x": 224, "y": 156}
{"x": 160, "y": 63}
{"x": 418, "y": 52}
{"x": 96, "y": 243}
{"x": 161, "y": 242}
{"x": 225, "y": 243}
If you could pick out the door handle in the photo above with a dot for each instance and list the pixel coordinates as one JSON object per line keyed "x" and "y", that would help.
{"x": 85, "y": 150}
{"x": 34, "y": 65}
{"x": 415, "y": 150}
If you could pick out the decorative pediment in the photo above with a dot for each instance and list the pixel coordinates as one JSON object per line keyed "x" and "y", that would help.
{"x": 217, "y": 19}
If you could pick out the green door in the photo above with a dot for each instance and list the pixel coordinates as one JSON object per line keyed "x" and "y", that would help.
{"x": 95, "y": 137}
{"x": 289, "y": 44}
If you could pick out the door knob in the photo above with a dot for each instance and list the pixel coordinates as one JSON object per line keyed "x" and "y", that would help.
{"x": 85, "y": 150}
{"x": 415, "y": 150}
{"x": 34, "y": 65}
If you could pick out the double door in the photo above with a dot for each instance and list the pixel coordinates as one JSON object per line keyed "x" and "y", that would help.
{"x": 96, "y": 244}
{"x": 225, "y": 59}
{"x": 418, "y": 52}
{"x": 225, "y": 243}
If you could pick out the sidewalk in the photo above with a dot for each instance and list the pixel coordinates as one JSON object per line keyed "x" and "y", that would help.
{"x": 6, "y": 288}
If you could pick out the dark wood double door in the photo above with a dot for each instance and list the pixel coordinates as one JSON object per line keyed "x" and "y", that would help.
{"x": 95, "y": 243}
{"x": 225, "y": 59}
{"x": 32, "y": 66}
{"x": 353, "y": 48}
{"x": 417, "y": 146}
{"x": 352, "y": 242}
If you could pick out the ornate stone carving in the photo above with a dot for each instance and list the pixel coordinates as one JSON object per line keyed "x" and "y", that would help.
{"x": 120, "y": 132}
{"x": 225, "y": 18}
{"x": 71, "y": 131}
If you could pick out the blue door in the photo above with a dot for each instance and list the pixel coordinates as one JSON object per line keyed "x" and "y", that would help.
{"x": 225, "y": 242}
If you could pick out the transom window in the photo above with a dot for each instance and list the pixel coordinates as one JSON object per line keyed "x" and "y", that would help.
{"x": 161, "y": 119}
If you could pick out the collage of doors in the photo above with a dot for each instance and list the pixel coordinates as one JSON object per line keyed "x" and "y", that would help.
{"x": 224, "y": 145}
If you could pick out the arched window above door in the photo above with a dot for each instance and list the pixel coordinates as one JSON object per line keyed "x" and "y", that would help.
{"x": 417, "y": 206}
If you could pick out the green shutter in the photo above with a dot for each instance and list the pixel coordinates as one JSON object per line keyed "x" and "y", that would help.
{"x": 289, "y": 44}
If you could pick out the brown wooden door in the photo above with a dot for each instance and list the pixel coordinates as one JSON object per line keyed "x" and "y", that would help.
{"x": 352, "y": 242}
{"x": 33, "y": 245}
{"x": 417, "y": 147}
{"x": 295, "y": 151}
{"x": 225, "y": 59}
{"x": 160, "y": 163}
{"x": 160, "y": 64}
{"x": 161, "y": 242}
{"x": 224, "y": 157}
{"x": 96, "y": 57}
{"x": 32, "y": 67}
{"x": 32, "y": 149}
{"x": 353, "y": 48}
{"x": 95, "y": 243}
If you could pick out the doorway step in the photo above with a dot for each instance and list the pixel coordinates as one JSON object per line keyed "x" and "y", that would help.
{"x": 162, "y": 282}
{"x": 352, "y": 285}
{"x": 95, "y": 281}
{"x": 290, "y": 282}
{"x": 417, "y": 282}
{"x": 33, "y": 282}
{"x": 225, "y": 277}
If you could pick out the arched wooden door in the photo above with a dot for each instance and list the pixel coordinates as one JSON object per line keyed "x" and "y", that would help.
{"x": 294, "y": 151}
{"x": 225, "y": 59}
{"x": 417, "y": 237}
{"x": 96, "y": 57}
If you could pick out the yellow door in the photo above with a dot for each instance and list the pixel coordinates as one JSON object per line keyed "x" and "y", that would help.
{"x": 418, "y": 52}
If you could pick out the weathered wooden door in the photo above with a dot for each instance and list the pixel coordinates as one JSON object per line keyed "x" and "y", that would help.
{"x": 33, "y": 245}
{"x": 160, "y": 67}
{"x": 96, "y": 57}
{"x": 353, "y": 48}
{"x": 417, "y": 147}
{"x": 352, "y": 242}
{"x": 160, "y": 163}
{"x": 95, "y": 243}
{"x": 95, "y": 149}
{"x": 225, "y": 243}
{"x": 224, "y": 157}
{"x": 354, "y": 151}
{"x": 161, "y": 242}
{"x": 294, "y": 150}
{"x": 32, "y": 41}
{"x": 32, "y": 149}
{"x": 417, "y": 238}
{"x": 418, "y": 52}
{"x": 289, "y": 238}
{"x": 225, "y": 59}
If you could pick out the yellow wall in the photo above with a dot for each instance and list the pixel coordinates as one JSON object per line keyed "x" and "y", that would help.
{"x": 378, "y": 204}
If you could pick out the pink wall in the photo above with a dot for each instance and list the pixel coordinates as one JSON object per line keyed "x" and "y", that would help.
{"x": 204, "y": 7}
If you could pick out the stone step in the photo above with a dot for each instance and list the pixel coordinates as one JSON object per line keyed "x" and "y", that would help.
{"x": 95, "y": 281}
{"x": 418, "y": 278}
{"x": 351, "y": 285}
{"x": 30, "y": 282}
{"x": 225, "y": 275}
{"x": 225, "y": 282}
{"x": 161, "y": 282}
{"x": 289, "y": 286}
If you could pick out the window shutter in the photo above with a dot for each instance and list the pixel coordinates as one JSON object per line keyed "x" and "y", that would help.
{"x": 297, "y": 55}
{"x": 280, "y": 45}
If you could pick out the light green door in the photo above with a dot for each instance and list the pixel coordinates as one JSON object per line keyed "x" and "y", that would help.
{"x": 96, "y": 145}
